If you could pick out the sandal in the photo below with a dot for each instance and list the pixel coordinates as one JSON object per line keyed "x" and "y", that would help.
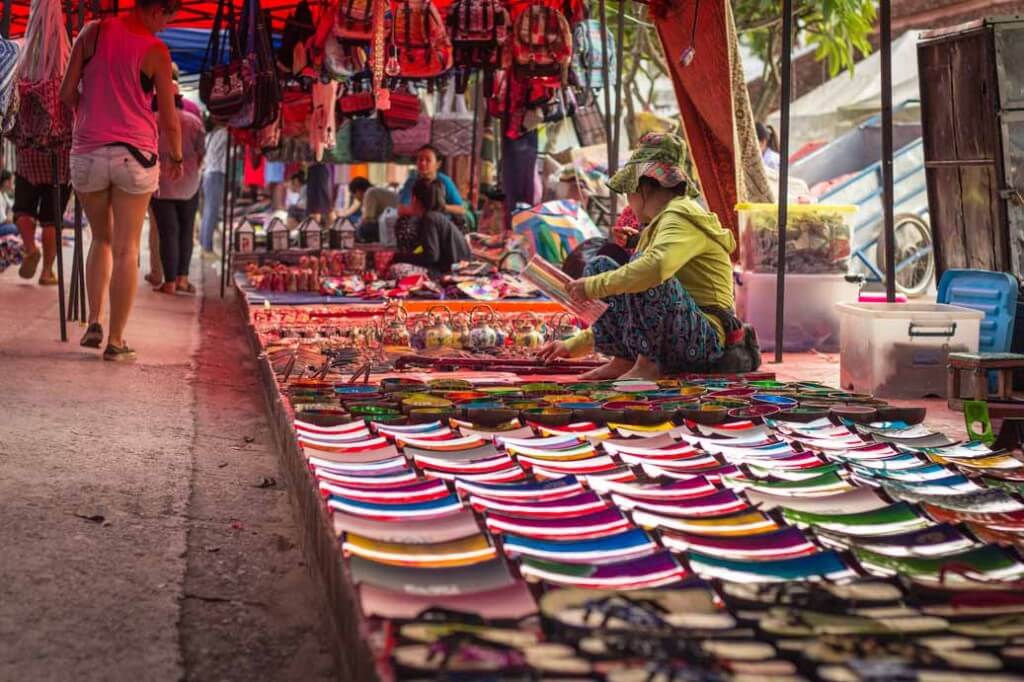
{"x": 189, "y": 289}
{"x": 93, "y": 336}
{"x": 48, "y": 279}
{"x": 119, "y": 354}
{"x": 165, "y": 289}
{"x": 29, "y": 265}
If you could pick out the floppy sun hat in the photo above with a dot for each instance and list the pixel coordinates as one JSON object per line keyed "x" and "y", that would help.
{"x": 663, "y": 157}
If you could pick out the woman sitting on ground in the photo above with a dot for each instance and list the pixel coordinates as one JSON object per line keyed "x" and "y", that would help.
{"x": 670, "y": 308}
{"x": 428, "y": 241}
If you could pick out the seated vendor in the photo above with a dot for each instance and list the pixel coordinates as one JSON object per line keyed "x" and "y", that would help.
{"x": 671, "y": 306}
{"x": 428, "y": 241}
{"x": 366, "y": 204}
{"x": 428, "y": 166}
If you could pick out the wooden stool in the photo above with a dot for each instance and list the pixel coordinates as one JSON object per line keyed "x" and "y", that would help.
{"x": 980, "y": 364}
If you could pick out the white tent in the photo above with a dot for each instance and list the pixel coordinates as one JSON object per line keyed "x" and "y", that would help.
{"x": 839, "y": 104}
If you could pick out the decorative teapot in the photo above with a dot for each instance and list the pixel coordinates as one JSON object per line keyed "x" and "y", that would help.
{"x": 395, "y": 333}
{"x": 562, "y": 327}
{"x": 527, "y": 334}
{"x": 437, "y": 333}
{"x": 460, "y": 329}
{"x": 483, "y": 335}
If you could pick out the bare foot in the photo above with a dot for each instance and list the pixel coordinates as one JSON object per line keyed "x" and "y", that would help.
{"x": 643, "y": 369}
{"x": 610, "y": 370}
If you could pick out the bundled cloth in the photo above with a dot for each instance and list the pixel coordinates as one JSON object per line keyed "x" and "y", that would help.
{"x": 12, "y": 251}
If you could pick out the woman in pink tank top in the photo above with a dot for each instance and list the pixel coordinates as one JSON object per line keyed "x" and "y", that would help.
{"x": 116, "y": 64}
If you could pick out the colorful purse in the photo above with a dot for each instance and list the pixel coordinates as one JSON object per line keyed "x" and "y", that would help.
{"x": 225, "y": 87}
{"x": 357, "y": 101}
{"x": 408, "y": 141}
{"x": 404, "y": 112}
{"x": 453, "y": 125}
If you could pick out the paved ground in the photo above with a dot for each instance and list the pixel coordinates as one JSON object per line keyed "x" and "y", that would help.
{"x": 145, "y": 535}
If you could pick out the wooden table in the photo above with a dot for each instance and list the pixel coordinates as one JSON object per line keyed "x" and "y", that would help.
{"x": 980, "y": 364}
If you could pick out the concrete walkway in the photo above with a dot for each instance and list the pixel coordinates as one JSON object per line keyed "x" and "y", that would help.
{"x": 144, "y": 534}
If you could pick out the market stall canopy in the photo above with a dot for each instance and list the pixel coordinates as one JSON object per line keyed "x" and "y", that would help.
{"x": 838, "y": 105}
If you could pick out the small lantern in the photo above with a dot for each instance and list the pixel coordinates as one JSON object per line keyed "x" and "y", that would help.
{"x": 277, "y": 235}
{"x": 343, "y": 234}
{"x": 310, "y": 235}
{"x": 245, "y": 238}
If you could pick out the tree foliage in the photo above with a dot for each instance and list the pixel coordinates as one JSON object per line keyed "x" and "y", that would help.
{"x": 837, "y": 30}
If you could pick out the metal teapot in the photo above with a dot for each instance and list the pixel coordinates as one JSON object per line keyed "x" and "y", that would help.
{"x": 438, "y": 333}
{"x": 528, "y": 334}
{"x": 461, "y": 323}
{"x": 395, "y": 332}
{"x": 483, "y": 335}
{"x": 562, "y": 327}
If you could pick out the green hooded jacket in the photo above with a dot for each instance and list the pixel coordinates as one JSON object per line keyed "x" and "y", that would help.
{"x": 683, "y": 241}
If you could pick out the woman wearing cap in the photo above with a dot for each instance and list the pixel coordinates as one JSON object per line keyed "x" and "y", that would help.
{"x": 670, "y": 307}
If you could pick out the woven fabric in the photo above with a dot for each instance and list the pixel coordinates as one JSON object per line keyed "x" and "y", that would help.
{"x": 453, "y": 126}
{"x": 410, "y": 140}
{"x": 9, "y": 53}
{"x": 370, "y": 140}
{"x": 589, "y": 125}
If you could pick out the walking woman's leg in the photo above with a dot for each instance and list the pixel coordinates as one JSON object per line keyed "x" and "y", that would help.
{"x": 129, "y": 212}
{"x": 98, "y": 264}
{"x": 186, "y": 209}
{"x": 166, "y": 224}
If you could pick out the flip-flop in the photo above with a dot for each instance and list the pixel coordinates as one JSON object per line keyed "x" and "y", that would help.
{"x": 119, "y": 353}
{"x": 29, "y": 265}
{"x": 93, "y": 336}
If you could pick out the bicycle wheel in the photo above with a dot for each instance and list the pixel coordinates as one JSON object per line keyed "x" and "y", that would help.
{"x": 914, "y": 252}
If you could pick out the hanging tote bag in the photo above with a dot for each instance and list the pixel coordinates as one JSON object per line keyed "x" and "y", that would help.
{"x": 410, "y": 140}
{"x": 9, "y": 54}
{"x": 342, "y": 151}
{"x": 453, "y": 125}
{"x": 371, "y": 142}
{"x": 354, "y": 21}
{"x": 404, "y": 111}
{"x": 227, "y": 79}
{"x": 589, "y": 124}
{"x": 43, "y": 121}
{"x": 588, "y": 60}
{"x": 479, "y": 31}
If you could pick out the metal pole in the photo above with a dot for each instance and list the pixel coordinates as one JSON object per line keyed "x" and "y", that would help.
{"x": 5, "y": 19}
{"x": 230, "y": 227}
{"x": 787, "y": 88}
{"x": 603, "y": 9}
{"x": 613, "y": 155}
{"x": 80, "y": 255}
{"x": 228, "y": 166}
{"x": 73, "y": 292}
{"x": 475, "y": 155}
{"x": 58, "y": 225}
{"x": 889, "y": 227}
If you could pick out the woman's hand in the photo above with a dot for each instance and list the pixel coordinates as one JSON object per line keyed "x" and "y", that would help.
{"x": 577, "y": 290}
{"x": 621, "y": 234}
{"x": 552, "y": 351}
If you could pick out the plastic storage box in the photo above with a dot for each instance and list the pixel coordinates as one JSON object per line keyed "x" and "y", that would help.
{"x": 811, "y": 319}
{"x": 899, "y": 350}
{"x": 817, "y": 238}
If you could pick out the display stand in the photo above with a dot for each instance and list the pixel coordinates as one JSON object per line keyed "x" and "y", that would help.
{"x": 76, "y": 295}
{"x": 229, "y": 178}
{"x": 58, "y": 225}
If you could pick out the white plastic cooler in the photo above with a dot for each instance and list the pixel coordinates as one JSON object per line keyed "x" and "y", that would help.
{"x": 899, "y": 350}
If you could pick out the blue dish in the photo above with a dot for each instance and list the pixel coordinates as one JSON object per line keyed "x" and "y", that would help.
{"x": 779, "y": 401}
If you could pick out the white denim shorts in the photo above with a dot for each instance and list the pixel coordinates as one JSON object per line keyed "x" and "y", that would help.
{"x": 112, "y": 167}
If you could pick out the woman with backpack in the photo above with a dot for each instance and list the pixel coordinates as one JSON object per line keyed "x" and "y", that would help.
{"x": 670, "y": 309}
{"x": 116, "y": 65}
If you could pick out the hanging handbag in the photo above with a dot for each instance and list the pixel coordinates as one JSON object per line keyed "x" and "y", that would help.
{"x": 541, "y": 43}
{"x": 370, "y": 140}
{"x": 589, "y": 124}
{"x": 342, "y": 151}
{"x": 9, "y": 53}
{"x": 354, "y": 22}
{"x": 479, "y": 32}
{"x": 224, "y": 86}
{"x": 404, "y": 112}
{"x": 296, "y": 110}
{"x": 453, "y": 125}
{"x": 408, "y": 141}
{"x": 357, "y": 100}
